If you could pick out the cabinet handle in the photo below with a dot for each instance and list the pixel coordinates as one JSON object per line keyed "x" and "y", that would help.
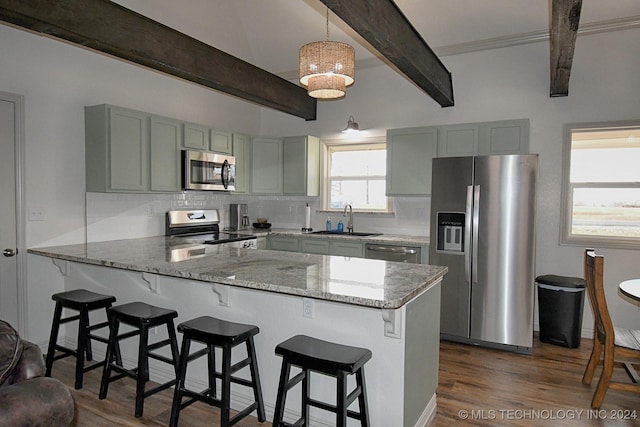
{"x": 9, "y": 252}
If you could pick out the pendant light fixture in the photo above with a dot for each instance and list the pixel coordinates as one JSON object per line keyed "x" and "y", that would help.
{"x": 327, "y": 67}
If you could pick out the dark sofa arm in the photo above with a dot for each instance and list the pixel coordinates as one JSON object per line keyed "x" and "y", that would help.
{"x": 36, "y": 402}
{"x": 30, "y": 365}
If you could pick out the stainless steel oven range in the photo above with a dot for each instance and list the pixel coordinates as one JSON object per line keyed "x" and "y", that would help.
{"x": 197, "y": 233}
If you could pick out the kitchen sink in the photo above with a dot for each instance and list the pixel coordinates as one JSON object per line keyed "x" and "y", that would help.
{"x": 340, "y": 233}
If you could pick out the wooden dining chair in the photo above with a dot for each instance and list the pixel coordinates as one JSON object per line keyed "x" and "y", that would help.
{"x": 621, "y": 346}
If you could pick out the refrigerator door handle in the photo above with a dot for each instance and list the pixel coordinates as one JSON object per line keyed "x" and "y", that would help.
{"x": 467, "y": 234}
{"x": 476, "y": 220}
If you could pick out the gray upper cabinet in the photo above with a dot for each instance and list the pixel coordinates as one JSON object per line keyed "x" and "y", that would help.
{"x": 221, "y": 141}
{"x": 195, "y": 136}
{"x": 266, "y": 166}
{"x": 242, "y": 153}
{"x": 301, "y": 166}
{"x": 130, "y": 151}
{"x": 502, "y": 137}
{"x": 458, "y": 140}
{"x": 164, "y": 149}
{"x": 116, "y": 149}
{"x": 506, "y": 137}
{"x": 288, "y": 166}
{"x": 409, "y": 154}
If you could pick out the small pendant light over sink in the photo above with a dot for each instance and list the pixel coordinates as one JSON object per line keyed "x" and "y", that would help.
{"x": 327, "y": 67}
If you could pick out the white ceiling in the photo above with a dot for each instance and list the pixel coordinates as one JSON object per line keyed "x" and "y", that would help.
{"x": 268, "y": 33}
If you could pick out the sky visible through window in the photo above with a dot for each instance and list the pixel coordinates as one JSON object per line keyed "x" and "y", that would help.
{"x": 605, "y": 184}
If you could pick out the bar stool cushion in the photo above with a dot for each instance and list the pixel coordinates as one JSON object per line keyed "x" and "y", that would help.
{"x": 209, "y": 329}
{"x": 322, "y": 356}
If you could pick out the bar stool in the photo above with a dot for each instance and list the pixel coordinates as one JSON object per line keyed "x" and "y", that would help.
{"x": 82, "y": 301}
{"x": 336, "y": 360}
{"x": 218, "y": 333}
{"x": 140, "y": 316}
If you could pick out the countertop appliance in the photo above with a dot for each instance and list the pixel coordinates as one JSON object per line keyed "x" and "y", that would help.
{"x": 200, "y": 233}
{"x": 395, "y": 253}
{"x": 203, "y": 170}
{"x": 238, "y": 216}
{"x": 483, "y": 213}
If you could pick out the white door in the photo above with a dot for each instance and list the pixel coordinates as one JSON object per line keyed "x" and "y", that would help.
{"x": 9, "y": 293}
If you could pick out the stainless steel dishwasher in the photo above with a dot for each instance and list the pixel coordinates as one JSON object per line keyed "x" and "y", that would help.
{"x": 410, "y": 254}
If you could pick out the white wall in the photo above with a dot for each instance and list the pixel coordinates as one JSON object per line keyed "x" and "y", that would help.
{"x": 58, "y": 80}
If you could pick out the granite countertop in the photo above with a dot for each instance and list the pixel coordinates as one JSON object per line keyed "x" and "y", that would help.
{"x": 382, "y": 238}
{"x": 358, "y": 281}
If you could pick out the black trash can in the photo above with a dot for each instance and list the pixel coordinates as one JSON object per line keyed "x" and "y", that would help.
{"x": 560, "y": 304}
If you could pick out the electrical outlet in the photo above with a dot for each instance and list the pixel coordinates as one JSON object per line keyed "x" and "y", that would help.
{"x": 36, "y": 214}
{"x": 307, "y": 307}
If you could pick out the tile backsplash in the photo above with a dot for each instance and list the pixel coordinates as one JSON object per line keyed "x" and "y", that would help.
{"x": 114, "y": 216}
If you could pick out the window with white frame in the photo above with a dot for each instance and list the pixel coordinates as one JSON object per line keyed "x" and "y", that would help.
{"x": 356, "y": 174}
{"x": 602, "y": 185}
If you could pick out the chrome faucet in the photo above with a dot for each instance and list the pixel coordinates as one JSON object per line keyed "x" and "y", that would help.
{"x": 350, "y": 223}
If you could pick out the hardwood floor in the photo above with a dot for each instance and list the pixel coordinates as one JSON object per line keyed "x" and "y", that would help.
{"x": 478, "y": 387}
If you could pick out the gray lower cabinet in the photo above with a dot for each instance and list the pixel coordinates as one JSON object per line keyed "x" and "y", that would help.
{"x": 314, "y": 246}
{"x": 261, "y": 242}
{"x": 242, "y": 153}
{"x": 281, "y": 243}
{"x": 266, "y": 166}
{"x": 350, "y": 249}
{"x": 131, "y": 151}
{"x": 409, "y": 154}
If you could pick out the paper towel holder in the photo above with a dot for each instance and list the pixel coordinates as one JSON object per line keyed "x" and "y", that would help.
{"x": 307, "y": 220}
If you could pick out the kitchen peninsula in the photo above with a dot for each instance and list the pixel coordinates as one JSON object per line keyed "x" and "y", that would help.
{"x": 391, "y": 308}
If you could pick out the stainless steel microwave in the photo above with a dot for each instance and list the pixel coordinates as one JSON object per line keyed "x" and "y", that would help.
{"x": 208, "y": 171}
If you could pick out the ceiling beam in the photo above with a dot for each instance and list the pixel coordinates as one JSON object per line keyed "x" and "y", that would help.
{"x": 112, "y": 29}
{"x": 385, "y": 27}
{"x": 565, "y": 17}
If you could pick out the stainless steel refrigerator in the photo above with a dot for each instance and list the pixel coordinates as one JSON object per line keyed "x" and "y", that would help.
{"x": 483, "y": 212}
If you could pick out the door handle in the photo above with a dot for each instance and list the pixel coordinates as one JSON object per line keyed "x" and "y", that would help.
{"x": 476, "y": 225}
{"x": 9, "y": 252}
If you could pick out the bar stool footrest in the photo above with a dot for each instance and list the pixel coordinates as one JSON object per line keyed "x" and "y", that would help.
{"x": 161, "y": 387}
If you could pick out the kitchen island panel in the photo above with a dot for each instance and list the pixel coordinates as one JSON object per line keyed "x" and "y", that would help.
{"x": 392, "y": 376}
